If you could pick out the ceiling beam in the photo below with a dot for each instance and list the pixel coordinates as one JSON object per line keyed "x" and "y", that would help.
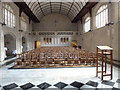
{"x": 70, "y": 8}
{"x": 41, "y": 9}
{"x": 60, "y": 7}
{"x": 23, "y": 7}
{"x": 84, "y": 10}
{"x": 51, "y": 6}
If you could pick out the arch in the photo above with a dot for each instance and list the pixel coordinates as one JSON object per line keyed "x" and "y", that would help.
{"x": 71, "y": 7}
{"x": 12, "y": 34}
{"x": 101, "y": 16}
{"x": 102, "y": 7}
{"x": 10, "y": 45}
{"x": 98, "y": 6}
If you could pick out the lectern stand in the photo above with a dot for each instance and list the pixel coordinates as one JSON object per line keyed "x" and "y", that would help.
{"x": 104, "y": 51}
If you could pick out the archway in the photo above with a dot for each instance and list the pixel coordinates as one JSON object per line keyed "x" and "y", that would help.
{"x": 24, "y": 44}
{"x": 9, "y": 46}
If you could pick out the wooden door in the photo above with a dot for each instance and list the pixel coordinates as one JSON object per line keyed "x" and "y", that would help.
{"x": 37, "y": 44}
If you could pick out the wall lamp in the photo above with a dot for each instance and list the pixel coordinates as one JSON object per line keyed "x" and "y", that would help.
{"x": 110, "y": 23}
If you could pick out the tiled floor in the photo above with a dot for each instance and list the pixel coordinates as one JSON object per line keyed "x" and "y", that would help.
{"x": 56, "y": 79}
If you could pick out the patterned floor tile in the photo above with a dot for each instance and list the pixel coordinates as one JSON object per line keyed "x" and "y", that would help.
{"x": 0, "y": 88}
{"x": 52, "y": 89}
{"x": 70, "y": 89}
{"x": 87, "y": 87}
{"x": 69, "y": 86}
{"x": 60, "y": 85}
{"x": 104, "y": 86}
{"x": 98, "y": 89}
{"x": 10, "y": 86}
{"x": 108, "y": 82}
{"x": 118, "y": 81}
{"x": 115, "y": 88}
{"x": 77, "y": 84}
{"x": 27, "y": 86}
{"x": 103, "y": 89}
{"x": 117, "y": 85}
{"x": 92, "y": 83}
{"x": 43, "y": 85}
{"x": 36, "y": 88}
{"x": 17, "y": 88}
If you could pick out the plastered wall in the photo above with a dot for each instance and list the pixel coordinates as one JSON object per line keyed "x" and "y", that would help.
{"x": 55, "y": 22}
{"x": 107, "y": 35}
{"x": 14, "y": 32}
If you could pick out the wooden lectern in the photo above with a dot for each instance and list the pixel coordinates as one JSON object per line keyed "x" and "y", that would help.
{"x": 104, "y": 51}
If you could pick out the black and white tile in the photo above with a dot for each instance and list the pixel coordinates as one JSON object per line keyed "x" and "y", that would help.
{"x": 76, "y": 85}
{"x": 43, "y": 85}
{"x": 60, "y": 85}
{"x": 10, "y": 86}
{"x": 27, "y": 86}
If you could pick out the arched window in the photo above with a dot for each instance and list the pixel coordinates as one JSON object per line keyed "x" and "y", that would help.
{"x": 8, "y": 16}
{"x": 23, "y": 24}
{"x": 87, "y": 24}
{"x": 102, "y": 16}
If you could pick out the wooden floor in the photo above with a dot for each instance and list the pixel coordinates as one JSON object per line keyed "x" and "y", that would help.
{"x": 49, "y": 66}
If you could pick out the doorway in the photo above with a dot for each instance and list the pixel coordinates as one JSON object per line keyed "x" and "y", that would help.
{"x": 9, "y": 46}
{"x": 37, "y": 44}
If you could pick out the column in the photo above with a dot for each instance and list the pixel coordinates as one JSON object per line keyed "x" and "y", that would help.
{"x": 52, "y": 40}
{"x": 55, "y": 40}
{"x": 2, "y": 53}
{"x": 19, "y": 42}
{"x": 58, "y": 40}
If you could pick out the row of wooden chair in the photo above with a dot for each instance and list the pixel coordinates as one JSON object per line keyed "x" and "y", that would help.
{"x": 56, "y": 56}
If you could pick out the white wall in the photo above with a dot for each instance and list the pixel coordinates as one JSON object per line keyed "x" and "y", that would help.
{"x": 107, "y": 35}
{"x": 55, "y": 22}
{"x": 14, "y": 32}
{"x": 56, "y": 39}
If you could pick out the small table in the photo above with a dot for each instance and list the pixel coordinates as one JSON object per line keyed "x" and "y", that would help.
{"x": 104, "y": 51}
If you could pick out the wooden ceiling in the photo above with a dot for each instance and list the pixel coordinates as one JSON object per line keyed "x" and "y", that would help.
{"x": 73, "y": 10}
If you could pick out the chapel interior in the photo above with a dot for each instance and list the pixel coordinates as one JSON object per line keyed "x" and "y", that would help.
{"x": 59, "y": 44}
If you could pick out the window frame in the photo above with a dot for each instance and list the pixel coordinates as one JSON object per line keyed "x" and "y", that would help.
{"x": 87, "y": 24}
{"x": 8, "y": 15}
{"x": 102, "y": 16}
